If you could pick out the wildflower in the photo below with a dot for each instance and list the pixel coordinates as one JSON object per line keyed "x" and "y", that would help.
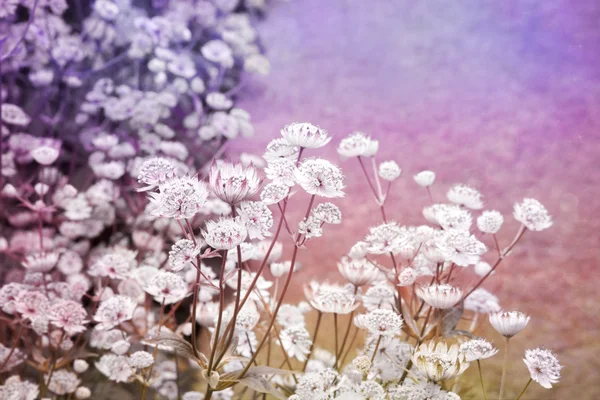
{"x": 167, "y": 287}
{"x": 383, "y": 322}
{"x": 257, "y": 217}
{"x": 280, "y": 148}
{"x": 141, "y": 359}
{"x": 466, "y": 196}
{"x": 296, "y": 342}
{"x": 305, "y": 135}
{"x": 11, "y": 358}
{"x": 113, "y": 311}
{"x": 219, "y": 52}
{"x": 362, "y": 364}
{"x": 358, "y": 144}
{"x": 389, "y": 171}
{"x": 533, "y": 215}
{"x": 179, "y": 198}
{"x": 311, "y": 228}
{"x": 78, "y": 208}
{"x": 425, "y": 178}
{"x": 320, "y": 177}
{"x": 509, "y": 323}
{"x": 225, "y": 234}
{"x": 41, "y": 262}
{"x": 440, "y": 296}
{"x": 438, "y": 361}
{"x": 543, "y": 366}
{"x": 490, "y": 221}
{"x": 379, "y": 296}
{"x": 14, "y": 115}
{"x": 328, "y": 213}
{"x": 14, "y": 388}
{"x": 385, "y": 238}
{"x": 330, "y": 298}
{"x": 45, "y": 155}
{"x": 448, "y": 216}
{"x": 233, "y": 183}
{"x": 482, "y": 301}
{"x": 407, "y": 276}
{"x": 477, "y": 349}
{"x": 115, "y": 265}
{"x": 461, "y": 247}
{"x": 281, "y": 170}
{"x": 155, "y": 171}
{"x": 114, "y": 367}
{"x": 31, "y": 304}
{"x": 359, "y": 272}
{"x": 68, "y": 315}
{"x": 182, "y": 254}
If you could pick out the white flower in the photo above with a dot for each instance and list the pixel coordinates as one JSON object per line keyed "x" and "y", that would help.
{"x": 439, "y": 362}
{"x": 490, "y": 221}
{"x": 478, "y": 349}
{"x": 218, "y": 101}
{"x": 320, "y": 177}
{"x": 311, "y": 228}
{"x": 45, "y": 155}
{"x": 78, "y": 208}
{"x": 273, "y": 193}
{"x": 41, "y": 262}
{"x": 14, "y": 115}
{"x": 62, "y": 382}
{"x": 155, "y": 171}
{"x": 532, "y": 214}
{"x": 407, "y": 276}
{"x": 83, "y": 392}
{"x": 440, "y": 296}
{"x": 379, "y": 296}
{"x": 68, "y": 315}
{"x": 482, "y": 301}
{"x": 141, "y": 359}
{"x": 509, "y": 323}
{"x": 113, "y": 311}
{"x": 280, "y": 148}
{"x": 305, "y": 135}
{"x": 448, "y": 216}
{"x": 218, "y": 52}
{"x": 425, "y": 178}
{"x": 357, "y": 144}
{"x": 328, "y": 213}
{"x": 257, "y": 217}
{"x": 389, "y": 171}
{"x": 543, "y": 366}
{"x": 359, "y": 272}
{"x": 461, "y": 247}
{"x": 330, "y": 298}
{"x": 233, "y": 183}
{"x": 281, "y": 170}
{"x": 167, "y": 287}
{"x": 80, "y": 366}
{"x": 296, "y": 342}
{"x": 381, "y": 321}
{"x": 179, "y": 197}
{"x": 482, "y": 268}
{"x": 183, "y": 253}
{"x": 114, "y": 367}
{"x": 386, "y": 238}
{"x": 466, "y": 196}
{"x": 225, "y": 234}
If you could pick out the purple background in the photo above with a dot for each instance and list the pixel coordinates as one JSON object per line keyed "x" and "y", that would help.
{"x": 502, "y": 95}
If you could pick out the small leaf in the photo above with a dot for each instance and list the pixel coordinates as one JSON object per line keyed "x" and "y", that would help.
{"x": 167, "y": 340}
{"x": 261, "y": 385}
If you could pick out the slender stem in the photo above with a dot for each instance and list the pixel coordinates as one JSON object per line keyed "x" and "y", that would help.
{"x": 194, "y": 308}
{"x": 362, "y": 166}
{"x": 376, "y": 348}
{"x": 481, "y": 380}
{"x": 335, "y": 329}
{"x": 314, "y": 339}
{"x": 221, "y": 310}
{"x": 349, "y": 346}
{"x": 346, "y": 334}
{"x": 524, "y": 389}
{"x": 504, "y": 370}
{"x": 438, "y": 326}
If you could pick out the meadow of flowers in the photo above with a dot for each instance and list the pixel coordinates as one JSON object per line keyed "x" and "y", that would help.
{"x": 138, "y": 261}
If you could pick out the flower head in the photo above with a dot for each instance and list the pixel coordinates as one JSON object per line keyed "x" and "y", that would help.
{"x": 330, "y": 298}
{"x": 389, "y": 171}
{"x": 490, "y": 221}
{"x": 257, "y": 217}
{"x": 305, "y": 135}
{"x": 438, "y": 361}
{"x": 233, "y": 183}
{"x": 155, "y": 171}
{"x": 358, "y": 144}
{"x": 425, "y": 178}
{"x": 359, "y": 272}
{"x": 533, "y": 215}
{"x": 68, "y": 315}
{"x": 167, "y": 287}
{"x": 226, "y": 233}
{"x": 509, "y": 323}
{"x": 179, "y": 197}
{"x": 183, "y": 253}
{"x": 440, "y": 296}
{"x": 113, "y": 311}
{"x": 380, "y": 321}
{"x": 466, "y": 196}
{"x": 478, "y": 349}
{"x": 319, "y": 177}
{"x": 543, "y": 366}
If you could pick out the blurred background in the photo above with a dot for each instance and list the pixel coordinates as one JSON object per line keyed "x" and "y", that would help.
{"x": 502, "y": 95}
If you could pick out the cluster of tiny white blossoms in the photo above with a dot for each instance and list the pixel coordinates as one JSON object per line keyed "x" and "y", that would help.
{"x": 192, "y": 304}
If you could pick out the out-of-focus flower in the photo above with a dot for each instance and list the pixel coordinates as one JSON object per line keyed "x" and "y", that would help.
{"x": 233, "y": 183}
{"x": 425, "y": 178}
{"x": 466, "y": 196}
{"x": 490, "y": 221}
{"x": 305, "y": 135}
{"x": 389, "y": 171}
{"x": 358, "y": 144}
{"x": 509, "y": 323}
{"x": 440, "y": 296}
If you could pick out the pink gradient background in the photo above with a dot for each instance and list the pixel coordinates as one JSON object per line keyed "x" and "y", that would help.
{"x": 502, "y": 95}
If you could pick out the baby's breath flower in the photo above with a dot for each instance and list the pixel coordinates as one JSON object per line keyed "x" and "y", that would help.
{"x": 509, "y": 323}
{"x": 425, "y": 178}
{"x": 490, "y": 221}
{"x": 532, "y": 214}
{"x": 357, "y": 144}
{"x": 319, "y": 177}
{"x": 389, "y": 171}
{"x": 305, "y": 135}
{"x": 381, "y": 321}
{"x": 225, "y": 234}
{"x": 233, "y": 183}
{"x": 477, "y": 349}
{"x": 440, "y": 296}
{"x": 543, "y": 366}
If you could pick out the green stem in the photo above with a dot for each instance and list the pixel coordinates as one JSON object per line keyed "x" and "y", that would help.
{"x": 524, "y": 389}
{"x": 504, "y": 369}
{"x": 481, "y": 380}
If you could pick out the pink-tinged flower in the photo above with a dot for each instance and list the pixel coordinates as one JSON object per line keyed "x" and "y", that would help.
{"x": 233, "y": 183}
{"x": 509, "y": 323}
{"x": 155, "y": 171}
{"x": 273, "y": 193}
{"x": 478, "y": 349}
{"x": 167, "y": 287}
{"x": 257, "y": 217}
{"x": 440, "y": 296}
{"x": 182, "y": 254}
{"x": 115, "y": 265}
{"x": 41, "y": 262}
{"x": 31, "y": 304}
{"x": 490, "y": 221}
{"x": 304, "y": 134}
{"x": 328, "y": 213}
{"x": 329, "y": 298}
{"x": 543, "y": 366}
{"x": 113, "y": 311}
{"x": 381, "y": 321}
{"x": 179, "y": 198}
{"x": 466, "y": 196}
{"x": 114, "y": 367}
{"x": 45, "y": 155}
{"x": 320, "y": 177}
{"x": 225, "y": 234}
{"x": 359, "y": 272}
{"x": 68, "y": 315}
{"x": 10, "y": 359}
{"x": 62, "y": 382}
{"x": 533, "y": 215}
{"x": 389, "y": 171}
{"x": 280, "y": 148}
{"x": 358, "y": 144}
